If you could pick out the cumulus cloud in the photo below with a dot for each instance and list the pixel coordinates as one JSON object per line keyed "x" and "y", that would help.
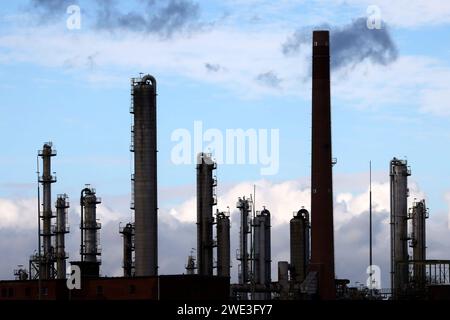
{"x": 350, "y": 44}
{"x": 18, "y": 213}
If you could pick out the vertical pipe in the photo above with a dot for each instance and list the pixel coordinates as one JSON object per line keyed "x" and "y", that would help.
{"x": 370, "y": 225}
{"x": 205, "y": 203}
{"x": 322, "y": 233}
{"x": 145, "y": 176}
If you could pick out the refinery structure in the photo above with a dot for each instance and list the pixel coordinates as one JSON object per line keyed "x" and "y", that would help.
{"x": 310, "y": 273}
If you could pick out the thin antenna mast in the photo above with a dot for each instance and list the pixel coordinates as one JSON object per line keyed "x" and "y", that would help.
{"x": 370, "y": 223}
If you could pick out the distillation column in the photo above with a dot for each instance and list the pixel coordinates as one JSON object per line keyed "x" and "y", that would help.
{"x": 399, "y": 173}
{"x": 205, "y": 202}
{"x": 223, "y": 244}
{"x": 90, "y": 227}
{"x": 244, "y": 208}
{"x": 61, "y": 228}
{"x": 418, "y": 242}
{"x": 299, "y": 227}
{"x": 322, "y": 233}
{"x": 144, "y": 138}
{"x": 128, "y": 248}
{"x": 262, "y": 258}
{"x": 46, "y": 266}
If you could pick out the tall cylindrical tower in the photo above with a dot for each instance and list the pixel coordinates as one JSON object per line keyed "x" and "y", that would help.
{"x": 243, "y": 205}
{"x": 223, "y": 245}
{"x": 299, "y": 227}
{"x": 128, "y": 248}
{"x": 61, "y": 228}
{"x": 418, "y": 243}
{"x": 399, "y": 173}
{"x": 46, "y": 265}
{"x": 322, "y": 233}
{"x": 90, "y": 227}
{"x": 262, "y": 258}
{"x": 205, "y": 202}
{"x": 145, "y": 201}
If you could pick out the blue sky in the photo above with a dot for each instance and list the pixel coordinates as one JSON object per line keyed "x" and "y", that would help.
{"x": 72, "y": 87}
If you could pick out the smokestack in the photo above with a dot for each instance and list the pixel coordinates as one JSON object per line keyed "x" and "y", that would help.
{"x": 61, "y": 228}
{"x": 205, "y": 202}
{"x": 399, "y": 173}
{"x": 46, "y": 265}
{"x": 322, "y": 233}
{"x": 145, "y": 203}
{"x": 223, "y": 244}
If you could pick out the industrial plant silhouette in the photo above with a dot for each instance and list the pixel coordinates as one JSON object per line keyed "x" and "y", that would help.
{"x": 310, "y": 273}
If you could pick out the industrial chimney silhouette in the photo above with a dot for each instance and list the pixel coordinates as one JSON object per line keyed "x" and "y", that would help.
{"x": 322, "y": 234}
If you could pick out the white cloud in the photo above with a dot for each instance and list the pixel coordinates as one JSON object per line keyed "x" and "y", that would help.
{"x": 177, "y": 226}
{"x": 436, "y": 100}
{"x": 18, "y": 214}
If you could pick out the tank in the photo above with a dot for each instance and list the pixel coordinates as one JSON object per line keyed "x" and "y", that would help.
{"x": 145, "y": 203}
{"x": 299, "y": 232}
